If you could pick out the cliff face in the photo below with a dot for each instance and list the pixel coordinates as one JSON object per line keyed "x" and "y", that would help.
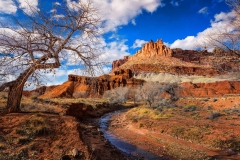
{"x": 215, "y": 89}
{"x": 94, "y": 87}
{"x": 177, "y": 70}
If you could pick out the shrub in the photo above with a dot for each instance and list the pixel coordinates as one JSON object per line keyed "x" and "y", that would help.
{"x": 178, "y": 131}
{"x": 209, "y": 107}
{"x": 233, "y": 144}
{"x": 214, "y": 115}
{"x": 215, "y": 100}
{"x": 81, "y": 94}
{"x": 190, "y": 108}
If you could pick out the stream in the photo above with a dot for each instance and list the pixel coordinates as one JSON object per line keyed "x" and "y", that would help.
{"x": 131, "y": 150}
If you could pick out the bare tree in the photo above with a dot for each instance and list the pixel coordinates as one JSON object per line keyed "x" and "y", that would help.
{"x": 80, "y": 94}
{"x": 150, "y": 92}
{"x": 117, "y": 95}
{"x": 45, "y": 40}
{"x": 227, "y": 37}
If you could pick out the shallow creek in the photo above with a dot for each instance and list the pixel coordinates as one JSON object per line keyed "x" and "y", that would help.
{"x": 129, "y": 149}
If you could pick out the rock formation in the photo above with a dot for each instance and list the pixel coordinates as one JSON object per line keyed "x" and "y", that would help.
{"x": 117, "y": 63}
{"x": 94, "y": 87}
{"x": 156, "y": 57}
{"x": 215, "y": 89}
{"x": 151, "y": 49}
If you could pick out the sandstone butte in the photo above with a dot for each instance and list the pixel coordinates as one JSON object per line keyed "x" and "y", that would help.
{"x": 153, "y": 57}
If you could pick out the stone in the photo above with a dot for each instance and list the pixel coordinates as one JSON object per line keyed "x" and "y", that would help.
{"x": 75, "y": 152}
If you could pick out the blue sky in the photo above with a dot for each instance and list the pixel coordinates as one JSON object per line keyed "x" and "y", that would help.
{"x": 174, "y": 20}
{"x": 128, "y": 24}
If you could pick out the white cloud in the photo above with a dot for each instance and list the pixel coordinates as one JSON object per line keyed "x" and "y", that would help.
{"x": 138, "y": 43}
{"x": 187, "y": 43}
{"x": 134, "y": 22}
{"x": 7, "y": 6}
{"x": 219, "y": 24}
{"x": 174, "y": 3}
{"x": 204, "y": 10}
{"x": 28, "y": 6}
{"x": 114, "y": 50}
{"x": 116, "y": 13}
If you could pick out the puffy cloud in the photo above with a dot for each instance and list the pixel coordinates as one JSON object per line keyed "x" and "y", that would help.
{"x": 116, "y": 13}
{"x": 114, "y": 50}
{"x": 28, "y": 6}
{"x": 7, "y": 6}
{"x": 221, "y": 23}
{"x": 204, "y": 10}
{"x": 187, "y": 43}
{"x": 138, "y": 43}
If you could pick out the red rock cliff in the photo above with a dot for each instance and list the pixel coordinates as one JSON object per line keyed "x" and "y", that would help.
{"x": 93, "y": 87}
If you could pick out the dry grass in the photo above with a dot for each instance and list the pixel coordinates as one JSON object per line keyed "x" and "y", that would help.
{"x": 33, "y": 126}
{"x": 20, "y": 142}
{"x": 185, "y": 153}
{"x": 144, "y": 112}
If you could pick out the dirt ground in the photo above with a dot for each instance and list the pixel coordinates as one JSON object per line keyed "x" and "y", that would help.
{"x": 197, "y": 128}
{"x": 60, "y": 138}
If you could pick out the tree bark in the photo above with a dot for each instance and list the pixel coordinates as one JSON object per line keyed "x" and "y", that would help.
{"x": 14, "y": 97}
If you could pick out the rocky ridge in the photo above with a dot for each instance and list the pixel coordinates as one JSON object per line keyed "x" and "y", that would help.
{"x": 158, "y": 58}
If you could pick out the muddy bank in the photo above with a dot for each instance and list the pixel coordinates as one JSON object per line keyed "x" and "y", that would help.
{"x": 103, "y": 145}
{"x": 131, "y": 150}
{"x": 99, "y": 148}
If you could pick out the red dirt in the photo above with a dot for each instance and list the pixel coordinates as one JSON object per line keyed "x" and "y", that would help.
{"x": 63, "y": 136}
{"x": 155, "y": 135}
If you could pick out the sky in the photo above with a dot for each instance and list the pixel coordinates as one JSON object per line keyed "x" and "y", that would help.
{"x": 128, "y": 24}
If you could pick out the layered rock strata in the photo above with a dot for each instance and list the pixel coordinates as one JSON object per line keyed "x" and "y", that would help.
{"x": 94, "y": 87}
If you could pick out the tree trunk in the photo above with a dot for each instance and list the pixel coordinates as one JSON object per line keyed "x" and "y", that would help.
{"x": 14, "y": 97}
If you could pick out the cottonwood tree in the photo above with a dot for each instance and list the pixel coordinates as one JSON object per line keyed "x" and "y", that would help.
{"x": 44, "y": 40}
{"x": 150, "y": 92}
{"x": 117, "y": 95}
{"x": 228, "y": 36}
